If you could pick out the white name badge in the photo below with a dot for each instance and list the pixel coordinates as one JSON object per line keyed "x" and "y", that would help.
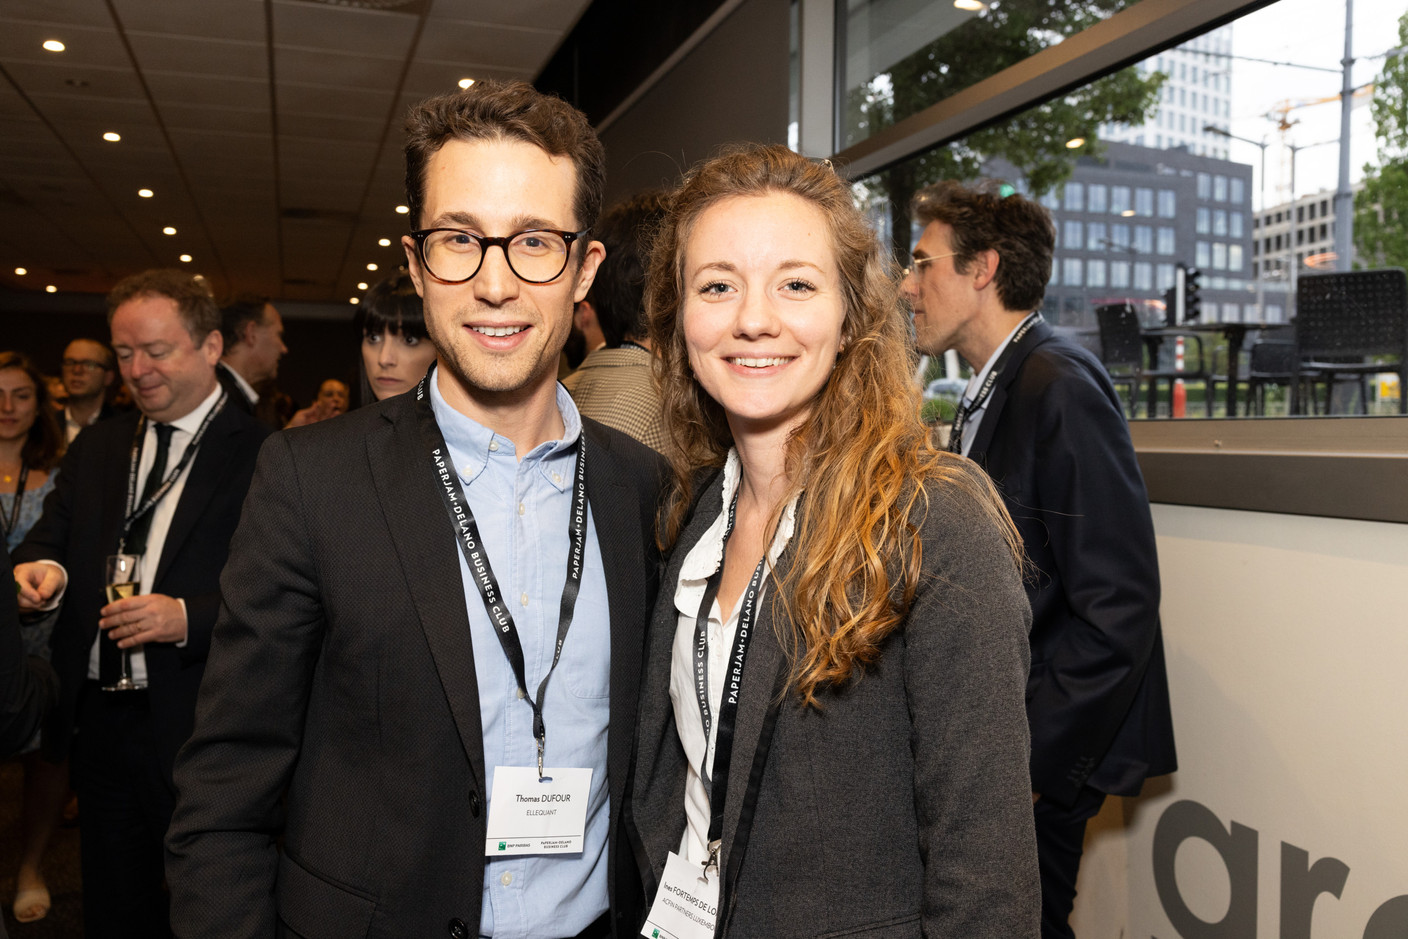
{"x": 532, "y": 816}
{"x": 686, "y": 905}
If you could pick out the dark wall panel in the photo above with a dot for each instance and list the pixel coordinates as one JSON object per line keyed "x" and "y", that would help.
{"x": 731, "y": 87}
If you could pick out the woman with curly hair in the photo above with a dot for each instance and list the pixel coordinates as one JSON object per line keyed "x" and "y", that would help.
{"x": 832, "y": 734}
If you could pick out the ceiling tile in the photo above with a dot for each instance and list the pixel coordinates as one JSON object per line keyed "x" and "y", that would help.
{"x": 219, "y": 19}
{"x": 295, "y": 100}
{"x": 557, "y": 16}
{"x": 342, "y": 29}
{"x": 94, "y": 84}
{"x": 86, "y": 47}
{"x": 157, "y": 54}
{"x": 248, "y": 94}
{"x": 475, "y": 45}
{"x": 184, "y": 117}
{"x": 336, "y": 69}
{"x": 59, "y": 12}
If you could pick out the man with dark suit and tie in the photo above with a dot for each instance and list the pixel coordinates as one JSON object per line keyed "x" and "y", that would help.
{"x": 425, "y": 677}
{"x": 164, "y": 483}
{"x": 1041, "y": 416}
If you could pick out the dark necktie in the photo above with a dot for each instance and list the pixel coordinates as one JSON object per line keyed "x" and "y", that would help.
{"x": 109, "y": 655}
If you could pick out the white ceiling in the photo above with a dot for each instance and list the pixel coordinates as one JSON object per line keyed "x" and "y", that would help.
{"x": 270, "y": 131}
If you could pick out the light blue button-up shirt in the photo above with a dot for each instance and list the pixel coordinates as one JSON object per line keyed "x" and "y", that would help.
{"x": 522, "y": 508}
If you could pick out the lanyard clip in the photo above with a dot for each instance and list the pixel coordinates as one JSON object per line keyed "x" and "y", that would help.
{"x": 713, "y": 860}
{"x": 541, "y": 777}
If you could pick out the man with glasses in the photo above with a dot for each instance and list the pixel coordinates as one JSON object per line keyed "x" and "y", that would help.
{"x": 425, "y": 678}
{"x": 1041, "y": 417}
{"x": 88, "y": 373}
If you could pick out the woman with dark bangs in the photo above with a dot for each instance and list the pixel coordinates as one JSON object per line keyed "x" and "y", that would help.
{"x": 396, "y": 352}
{"x": 832, "y": 736}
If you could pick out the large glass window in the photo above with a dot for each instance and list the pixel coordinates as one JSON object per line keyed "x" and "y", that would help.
{"x": 1200, "y": 186}
{"x": 901, "y": 56}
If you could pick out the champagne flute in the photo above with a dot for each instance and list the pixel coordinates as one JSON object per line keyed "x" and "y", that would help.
{"x": 122, "y": 579}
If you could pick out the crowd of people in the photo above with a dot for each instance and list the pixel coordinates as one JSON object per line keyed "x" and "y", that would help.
{"x": 712, "y": 637}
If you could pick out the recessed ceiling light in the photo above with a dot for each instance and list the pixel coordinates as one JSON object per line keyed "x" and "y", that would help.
{"x": 51, "y": 289}
{"x": 402, "y": 209}
{"x": 145, "y": 193}
{"x": 1127, "y": 213}
{"x": 168, "y": 230}
{"x": 371, "y": 267}
{"x": 1075, "y": 143}
{"x": 354, "y": 300}
{"x": 973, "y": 6}
{"x": 384, "y": 242}
{"x": 362, "y": 285}
{"x": 185, "y": 259}
{"x": 20, "y": 272}
{"x": 53, "y": 45}
{"x": 112, "y": 136}
{"x": 466, "y": 82}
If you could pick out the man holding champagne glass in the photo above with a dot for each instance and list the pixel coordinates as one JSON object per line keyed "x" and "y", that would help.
{"x": 131, "y": 544}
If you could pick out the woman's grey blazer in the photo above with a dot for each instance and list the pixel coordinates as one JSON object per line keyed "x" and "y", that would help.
{"x": 902, "y": 806}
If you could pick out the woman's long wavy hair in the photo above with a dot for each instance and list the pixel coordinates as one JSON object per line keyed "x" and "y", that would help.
{"x": 863, "y": 457}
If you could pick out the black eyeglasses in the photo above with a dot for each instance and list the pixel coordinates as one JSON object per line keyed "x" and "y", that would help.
{"x": 86, "y": 365}
{"x": 454, "y": 256}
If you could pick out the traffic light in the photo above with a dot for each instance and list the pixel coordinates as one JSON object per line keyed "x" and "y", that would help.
{"x": 1187, "y": 305}
{"x": 1170, "y": 306}
{"x": 1192, "y": 303}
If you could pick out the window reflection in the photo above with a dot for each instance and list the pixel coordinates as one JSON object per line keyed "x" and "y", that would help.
{"x": 1169, "y": 175}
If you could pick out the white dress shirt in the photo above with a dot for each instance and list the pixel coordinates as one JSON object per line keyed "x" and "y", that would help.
{"x": 183, "y": 430}
{"x": 699, "y": 565}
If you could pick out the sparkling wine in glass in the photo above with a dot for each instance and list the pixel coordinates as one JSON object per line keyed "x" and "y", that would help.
{"x": 123, "y": 576}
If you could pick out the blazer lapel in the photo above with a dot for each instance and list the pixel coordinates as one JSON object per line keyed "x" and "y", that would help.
{"x": 992, "y": 414}
{"x": 426, "y": 549}
{"x": 114, "y": 485}
{"x": 205, "y": 479}
{"x": 615, "y": 514}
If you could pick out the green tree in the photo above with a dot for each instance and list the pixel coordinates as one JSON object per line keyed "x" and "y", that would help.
{"x": 1381, "y": 207}
{"x": 1034, "y": 141}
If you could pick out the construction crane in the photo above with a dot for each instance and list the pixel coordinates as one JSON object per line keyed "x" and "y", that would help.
{"x": 1281, "y": 111}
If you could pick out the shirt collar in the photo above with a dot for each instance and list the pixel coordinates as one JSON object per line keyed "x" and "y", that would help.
{"x": 190, "y": 423}
{"x": 476, "y": 444}
{"x": 245, "y": 386}
{"x": 978, "y": 378}
{"x": 700, "y": 564}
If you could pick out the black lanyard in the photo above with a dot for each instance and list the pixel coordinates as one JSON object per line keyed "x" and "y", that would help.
{"x": 467, "y": 534}
{"x": 19, "y": 497}
{"x": 717, "y": 781}
{"x": 139, "y": 439}
{"x": 955, "y": 436}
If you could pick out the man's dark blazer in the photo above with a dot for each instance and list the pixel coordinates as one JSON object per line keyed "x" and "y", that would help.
{"x": 343, "y": 674}
{"x": 1054, "y": 440}
{"x": 80, "y": 526}
{"x": 265, "y": 410}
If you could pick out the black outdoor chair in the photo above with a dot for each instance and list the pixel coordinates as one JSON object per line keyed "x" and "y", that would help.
{"x": 1351, "y": 325}
{"x": 1123, "y": 344}
{"x": 1270, "y": 361}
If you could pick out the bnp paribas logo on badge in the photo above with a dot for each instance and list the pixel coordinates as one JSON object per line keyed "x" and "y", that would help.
{"x": 655, "y": 934}
{"x": 503, "y": 846}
